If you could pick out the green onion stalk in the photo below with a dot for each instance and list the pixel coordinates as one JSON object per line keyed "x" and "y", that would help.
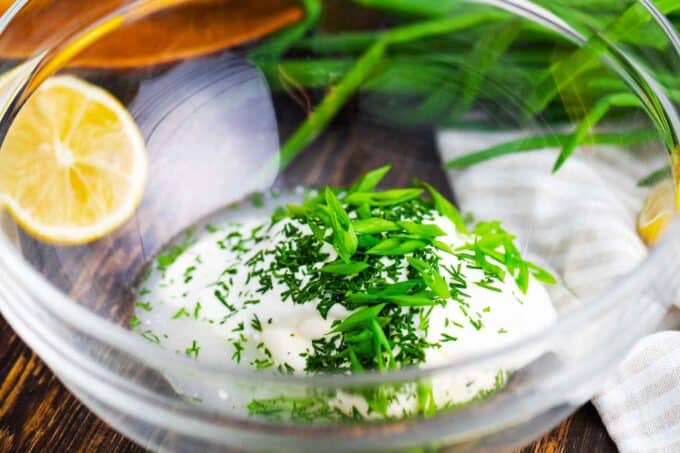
{"x": 449, "y": 59}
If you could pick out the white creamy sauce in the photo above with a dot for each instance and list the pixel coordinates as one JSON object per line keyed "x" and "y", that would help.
{"x": 185, "y": 309}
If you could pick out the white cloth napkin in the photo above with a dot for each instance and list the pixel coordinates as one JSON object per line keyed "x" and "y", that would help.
{"x": 583, "y": 218}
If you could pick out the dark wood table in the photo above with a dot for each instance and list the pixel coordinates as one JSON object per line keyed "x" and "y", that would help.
{"x": 38, "y": 414}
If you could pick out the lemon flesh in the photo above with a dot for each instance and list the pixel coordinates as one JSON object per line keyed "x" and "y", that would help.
{"x": 73, "y": 165}
{"x": 656, "y": 212}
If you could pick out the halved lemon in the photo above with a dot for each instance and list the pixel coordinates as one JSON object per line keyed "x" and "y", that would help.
{"x": 657, "y": 211}
{"x": 73, "y": 165}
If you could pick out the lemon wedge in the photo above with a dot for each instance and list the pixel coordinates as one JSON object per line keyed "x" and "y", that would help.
{"x": 657, "y": 211}
{"x": 73, "y": 165}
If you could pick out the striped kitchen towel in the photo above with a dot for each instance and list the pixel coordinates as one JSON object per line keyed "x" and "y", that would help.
{"x": 583, "y": 220}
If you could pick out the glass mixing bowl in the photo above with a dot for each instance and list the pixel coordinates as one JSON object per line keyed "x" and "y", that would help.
{"x": 281, "y": 95}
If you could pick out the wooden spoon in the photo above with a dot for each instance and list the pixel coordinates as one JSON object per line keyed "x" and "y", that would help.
{"x": 196, "y": 28}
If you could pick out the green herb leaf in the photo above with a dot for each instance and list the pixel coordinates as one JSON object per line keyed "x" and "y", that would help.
{"x": 146, "y": 306}
{"x": 589, "y": 121}
{"x": 541, "y": 274}
{"x": 546, "y": 141}
{"x": 151, "y": 337}
{"x": 318, "y": 231}
{"x": 370, "y": 180}
{"x": 366, "y": 241}
{"x": 354, "y": 360}
{"x": 393, "y": 247}
{"x": 167, "y": 258}
{"x": 317, "y": 120}
{"x": 385, "y": 198}
{"x": 429, "y": 230}
{"x": 257, "y": 199}
{"x": 448, "y": 210}
{"x": 296, "y": 210}
{"x": 358, "y": 318}
{"x": 446, "y": 337}
{"x": 373, "y": 225}
{"x": 397, "y": 288}
{"x": 364, "y": 211}
{"x": 484, "y": 56}
{"x": 426, "y": 402}
{"x": 382, "y": 340}
{"x": 421, "y": 299}
{"x": 279, "y": 214}
{"x": 386, "y": 245}
{"x": 193, "y": 350}
{"x": 344, "y": 237}
{"x": 522, "y": 278}
{"x": 443, "y": 247}
{"x": 431, "y": 277}
{"x": 256, "y": 324}
{"x": 655, "y": 176}
{"x": 180, "y": 313}
{"x": 134, "y": 321}
{"x": 347, "y": 269}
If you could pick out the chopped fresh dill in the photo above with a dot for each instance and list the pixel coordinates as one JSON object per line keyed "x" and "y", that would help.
{"x": 223, "y": 300}
{"x": 167, "y": 258}
{"x": 447, "y": 337}
{"x": 238, "y": 346}
{"x": 487, "y": 284}
{"x": 188, "y": 274}
{"x": 381, "y": 255}
{"x": 146, "y": 306}
{"x": 134, "y": 321}
{"x": 285, "y": 368}
{"x": 476, "y": 323}
{"x": 262, "y": 364}
{"x": 151, "y": 337}
{"x": 257, "y": 199}
{"x": 255, "y": 323}
{"x": 193, "y": 350}
{"x": 181, "y": 313}
{"x": 300, "y": 409}
{"x": 386, "y": 270}
{"x": 146, "y": 275}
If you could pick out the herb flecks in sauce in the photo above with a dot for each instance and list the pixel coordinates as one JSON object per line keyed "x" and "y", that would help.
{"x": 383, "y": 279}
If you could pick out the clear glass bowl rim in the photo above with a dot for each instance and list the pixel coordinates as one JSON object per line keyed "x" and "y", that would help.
{"x": 69, "y": 311}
